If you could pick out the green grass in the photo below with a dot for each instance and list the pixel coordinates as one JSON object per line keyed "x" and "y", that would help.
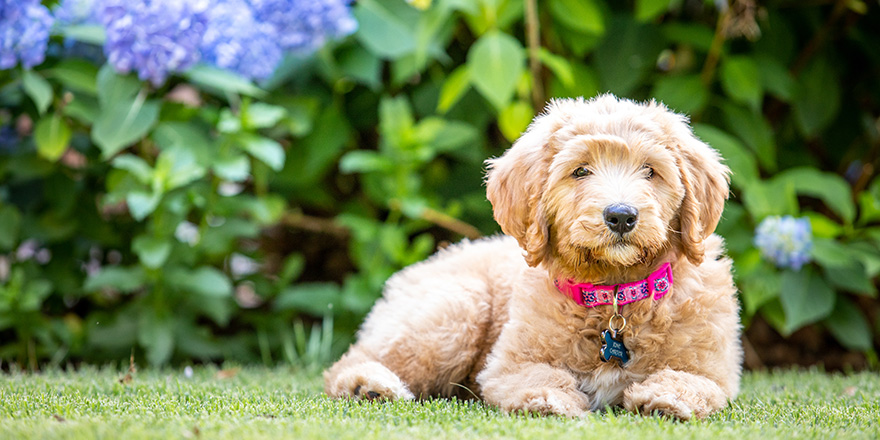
{"x": 283, "y": 403}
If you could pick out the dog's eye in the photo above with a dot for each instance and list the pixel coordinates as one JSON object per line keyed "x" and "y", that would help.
{"x": 581, "y": 172}
{"x": 649, "y": 170}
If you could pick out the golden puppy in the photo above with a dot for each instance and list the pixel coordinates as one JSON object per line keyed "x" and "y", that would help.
{"x": 608, "y": 289}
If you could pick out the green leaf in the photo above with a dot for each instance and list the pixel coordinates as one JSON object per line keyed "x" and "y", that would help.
{"x": 805, "y": 297}
{"x": 764, "y": 198}
{"x": 559, "y": 65}
{"x": 364, "y": 161}
{"x": 684, "y": 93}
{"x": 579, "y": 15}
{"x": 382, "y": 32}
{"x": 817, "y": 99}
{"x": 38, "y": 89}
{"x": 83, "y": 108}
{"x": 848, "y": 324}
{"x": 10, "y": 224}
{"x": 176, "y": 167}
{"x": 831, "y": 253}
{"x": 316, "y": 299}
{"x": 141, "y": 204}
{"x": 152, "y": 251}
{"x": 851, "y": 279}
{"x": 754, "y": 130}
{"x": 514, "y": 119}
{"x": 113, "y": 87}
{"x": 223, "y": 82}
{"x": 232, "y": 167}
{"x": 759, "y": 287}
{"x": 647, "y": 10}
{"x": 123, "y": 123}
{"x": 828, "y": 187}
{"x": 776, "y": 78}
{"x": 205, "y": 280}
{"x": 457, "y": 83}
{"x": 123, "y": 279}
{"x": 627, "y": 54}
{"x": 262, "y": 115}
{"x": 496, "y": 63}
{"x": 291, "y": 269}
{"x": 156, "y": 335}
{"x": 741, "y": 80}
{"x": 86, "y": 33}
{"x": 138, "y": 168}
{"x": 362, "y": 65}
{"x": 52, "y": 134}
{"x": 586, "y": 83}
{"x": 395, "y": 121}
{"x": 453, "y": 135}
{"x": 742, "y": 164}
{"x": 76, "y": 74}
{"x": 263, "y": 149}
{"x": 823, "y": 227}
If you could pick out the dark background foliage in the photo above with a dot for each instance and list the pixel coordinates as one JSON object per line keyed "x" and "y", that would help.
{"x": 222, "y": 219}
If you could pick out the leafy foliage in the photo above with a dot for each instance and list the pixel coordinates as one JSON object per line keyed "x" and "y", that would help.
{"x": 212, "y": 217}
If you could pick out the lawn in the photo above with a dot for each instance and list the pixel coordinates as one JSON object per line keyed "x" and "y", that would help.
{"x": 285, "y": 403}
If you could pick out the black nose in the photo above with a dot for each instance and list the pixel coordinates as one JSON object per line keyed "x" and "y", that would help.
{"x": 621, "y": 218}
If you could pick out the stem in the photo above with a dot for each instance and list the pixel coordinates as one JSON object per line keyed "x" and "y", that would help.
{"x": 819, "y": 38}
{"x": 533, "y": 35}
{"x": 715, "y": 50}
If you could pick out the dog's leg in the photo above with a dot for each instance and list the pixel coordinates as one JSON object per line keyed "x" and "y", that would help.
{"x": 357, "y": 375}
{"x": 533, "y": 387}
{"x": 675, "y": 393}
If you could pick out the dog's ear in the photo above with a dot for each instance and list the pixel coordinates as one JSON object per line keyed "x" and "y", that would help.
{"x": 706, "y": 186}
{"x": 515, "y": 184}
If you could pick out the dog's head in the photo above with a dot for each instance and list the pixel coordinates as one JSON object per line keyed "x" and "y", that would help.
{"x": 607, "y": 182}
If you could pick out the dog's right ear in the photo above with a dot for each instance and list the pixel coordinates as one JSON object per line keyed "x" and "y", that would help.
{"x": 515, "y": 184}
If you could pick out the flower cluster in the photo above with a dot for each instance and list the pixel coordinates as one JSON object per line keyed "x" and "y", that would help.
{"x": 24, "y": 32}
{"x": 153, "y": 37}
{"x": 786, "y": 241}
{"x": 235, "y": 40}
{"x": 158, "y": 37}
{"x": 304, "y": 25}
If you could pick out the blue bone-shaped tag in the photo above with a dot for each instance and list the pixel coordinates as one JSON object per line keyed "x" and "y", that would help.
{"x": 613, "y": 348}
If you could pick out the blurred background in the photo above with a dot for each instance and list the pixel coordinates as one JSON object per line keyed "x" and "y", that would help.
{"x": 192, "y": 181}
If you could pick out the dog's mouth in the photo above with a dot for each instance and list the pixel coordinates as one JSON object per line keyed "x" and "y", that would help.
{"x": 619, "y": 252}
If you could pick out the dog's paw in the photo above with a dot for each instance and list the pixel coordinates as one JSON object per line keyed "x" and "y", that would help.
{"x": 655, "y": 402}
{"x": 675, "y": 394}
{"x": 547, "y": 401}
{"x": 370, "y": 381}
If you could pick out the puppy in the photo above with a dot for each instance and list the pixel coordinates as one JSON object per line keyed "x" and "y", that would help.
{"x": 609, "y": 287}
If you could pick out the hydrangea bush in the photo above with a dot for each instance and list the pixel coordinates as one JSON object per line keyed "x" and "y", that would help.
{"x": 235, "y": 179}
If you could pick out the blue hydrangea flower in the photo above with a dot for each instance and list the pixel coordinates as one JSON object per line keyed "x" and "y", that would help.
{"x": 24, "y": 33}
{"x": 785, "y": 241}
{"x": 305, "y": 25}
{"x": 153, "y": 37}
{"x": 236, "y": 41}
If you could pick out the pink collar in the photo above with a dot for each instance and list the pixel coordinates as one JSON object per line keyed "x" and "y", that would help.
{"x": 588, "y": 295}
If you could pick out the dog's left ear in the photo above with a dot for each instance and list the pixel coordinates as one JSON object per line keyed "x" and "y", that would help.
{"x": 515, "y": 183}
{"x": 706, "y": 185}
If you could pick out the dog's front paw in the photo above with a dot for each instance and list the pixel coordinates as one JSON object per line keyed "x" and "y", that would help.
{"x": 675, "y": 394}
{"x": 546, "y": 401}
{"x": 650, "y": 399}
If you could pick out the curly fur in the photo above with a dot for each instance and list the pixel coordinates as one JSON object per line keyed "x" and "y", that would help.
{"x": 483, "y": 318}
